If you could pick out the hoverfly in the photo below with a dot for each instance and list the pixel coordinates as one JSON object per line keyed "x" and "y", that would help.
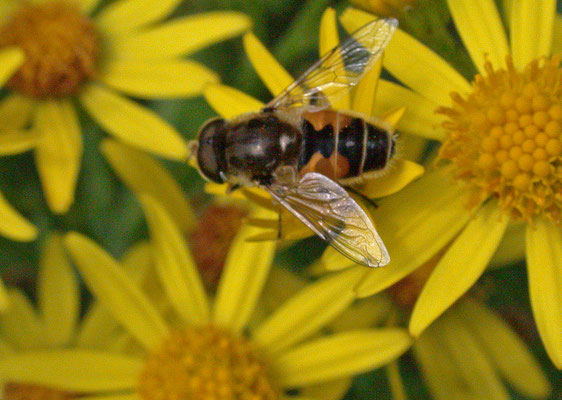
{"x": 297, "y": 147}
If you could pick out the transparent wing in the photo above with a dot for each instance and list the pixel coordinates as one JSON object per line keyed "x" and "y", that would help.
{"x": 339, "y": 70}
{"x": 327, "y": 209}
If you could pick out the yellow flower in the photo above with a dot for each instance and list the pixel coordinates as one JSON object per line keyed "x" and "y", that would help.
{"x": 13, "y": 141}
{"x": 206, "y": 348}
{"x": 467, "y": 353}
{"x": 229, "y": 102}
{"x": 55, "y": 323}
{"x": 505, "y": 177}
{"x": 125, "y": 49}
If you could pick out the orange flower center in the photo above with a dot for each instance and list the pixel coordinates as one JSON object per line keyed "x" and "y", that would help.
{"x": 61, "y": 48}
{"x": 23, "y": 391}
{"x": 506, "y": 138}
{"x": 205, "y": 363}
{"x": 212, "y": 238}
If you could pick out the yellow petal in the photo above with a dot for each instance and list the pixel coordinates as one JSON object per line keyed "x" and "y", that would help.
{"x": 15, "y": 111}
{"x": 20, "y": 324}
{"x": 98, "y": 329}
{"x": 124, "y": 16}
{"x": 181, "y": 36}
{"x": 366, "y": 91}
{"x": 364, "y": 313}
{"x": 329, "y": 39}
{"x": 480, "y": 27}
{"x": 59, "y": 152}
{"x": 245, "y": 271}
{"x": 229, "y": 102}
{"x": 272, "y": 74}
{"x": 13, "y": 225}
{"x": 133, "y": 123}
{"x": 175, "y": 265}
{"x": 395, "y": 381}
{"x": 114, "y": 289}
{"x": 460, "y": 267}
{"x": 419, "y": 119}
{"x": 415, "y": 224}
{"x": 512, "y": 246}
{"x": 158, "y": 79}
{"x": 73, "y": 370}
{"x": 401, "y": 173}
{"x": 340, "y": 355}
{"x": 4, "y": 301}
{"x": 392, "y": 117}
{"x": 5, "y": 348}
{"x": 59, "y": 294}
{"x": 10, "y": 60}
{"x": 413, "y": 63}
{"x": 510, "y": 354}
{"x": 531, "y": 26}
{"x": 449, "y": 372}
{"x": 442, "y": 376}
{"x": 142, "y": 174}
{"x": 308, "y": 311}
{"x": 14, "y": 142}
{"x": 331, "y": 390}
{"x": 468, "y": 355}
{"x": 557, "y": 35}
{"x": 544, "y": 266}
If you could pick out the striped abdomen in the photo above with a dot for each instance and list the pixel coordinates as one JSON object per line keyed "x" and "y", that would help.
{"x": 362, "y": 147}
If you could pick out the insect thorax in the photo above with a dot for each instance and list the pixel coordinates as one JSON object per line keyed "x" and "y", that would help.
{"x": 257, "y": 144}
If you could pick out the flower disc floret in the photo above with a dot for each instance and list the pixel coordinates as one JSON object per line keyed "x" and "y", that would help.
{"x": 61, "y": 47}
{"x": 205, "y": 363}
{"x": 505, "y": 138}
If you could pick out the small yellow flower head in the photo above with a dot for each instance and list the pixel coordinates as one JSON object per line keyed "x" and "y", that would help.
{"x": 23, "y": 391}
{"x": 384, "y": 8}
{"x": 61, "y": 47}
{"x": 205, "y": 363}
{"x": 506, "y": 138}
{"x": 212, "y": 238}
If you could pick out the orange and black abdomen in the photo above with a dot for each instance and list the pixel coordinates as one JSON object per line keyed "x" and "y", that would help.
{"x": 359, "y": 148}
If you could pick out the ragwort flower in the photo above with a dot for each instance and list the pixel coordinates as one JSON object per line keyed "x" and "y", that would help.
{"x": 503, "y": 137}
{"x": 469, "y": 352}
{"x": 229, "y": 103}
{"x": 206, "y": 348}
{"x": 55, "y": 323}
{"x": 124, "y": 49}
{"x": 13, "y": 141}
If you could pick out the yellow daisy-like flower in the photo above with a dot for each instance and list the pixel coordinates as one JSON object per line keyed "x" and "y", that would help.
{"x": 467, "y": 353}
{"x": 229, "y": 103}
{"x": 206, "y": 350}
{"x": 470, "y": 352}
{"x": 503, "y": 136}
{"x": 13, "y": 141}
{"x": 55, "y": 323}
{"x": 124, "y": 49}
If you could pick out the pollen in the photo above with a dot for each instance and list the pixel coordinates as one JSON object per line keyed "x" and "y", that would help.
{"x": 505, "y": 138}
{"x": 24, "y": 391}
{"x": 61, "y": 48}
{"x": 205, "y": 363}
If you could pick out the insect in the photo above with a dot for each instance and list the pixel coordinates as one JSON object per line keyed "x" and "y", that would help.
{"x": 301, "y": 150}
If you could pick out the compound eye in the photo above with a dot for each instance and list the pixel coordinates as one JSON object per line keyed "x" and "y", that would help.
{"x": 210, "y": 152}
